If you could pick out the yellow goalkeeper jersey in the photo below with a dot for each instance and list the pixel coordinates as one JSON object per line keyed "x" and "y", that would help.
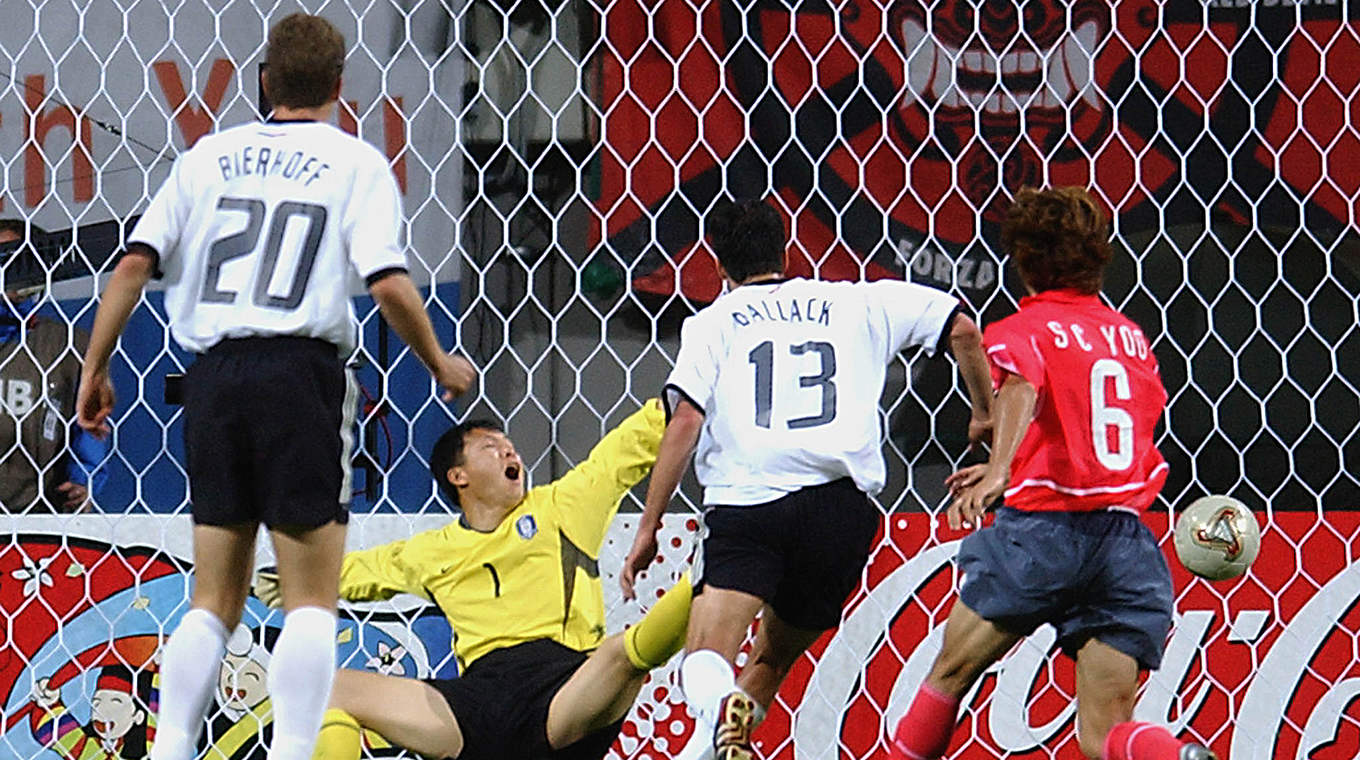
{"x": 536, "y": 576}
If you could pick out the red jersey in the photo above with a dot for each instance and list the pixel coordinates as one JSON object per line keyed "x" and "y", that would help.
{"x": 1090, "y": 445}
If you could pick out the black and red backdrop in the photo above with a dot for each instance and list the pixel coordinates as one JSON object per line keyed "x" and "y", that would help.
{"x": 1221, "y": 136}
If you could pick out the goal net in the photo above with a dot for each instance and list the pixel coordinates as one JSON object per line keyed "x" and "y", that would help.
{"x": 557, "y": 159}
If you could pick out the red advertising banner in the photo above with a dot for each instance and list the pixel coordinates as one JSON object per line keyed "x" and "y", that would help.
{"x": 1264, "y": 667}
{"x": 1260, "y": 668}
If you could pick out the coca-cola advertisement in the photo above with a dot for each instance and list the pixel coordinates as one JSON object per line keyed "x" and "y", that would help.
{"x": 1262, "y": 667}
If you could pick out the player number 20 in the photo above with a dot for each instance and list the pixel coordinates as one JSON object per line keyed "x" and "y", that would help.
{"x": 762, "y": 356}
{"x": 244, "y": 242}
{"x": 1104, "y": 416}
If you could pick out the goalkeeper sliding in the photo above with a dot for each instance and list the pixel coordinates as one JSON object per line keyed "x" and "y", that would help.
{"x": 517, "y": 576}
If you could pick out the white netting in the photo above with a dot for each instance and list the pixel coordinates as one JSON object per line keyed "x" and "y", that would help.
{"x": 557, "y": 158}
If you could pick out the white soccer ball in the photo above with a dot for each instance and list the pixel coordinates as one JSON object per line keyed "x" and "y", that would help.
{"x": 1217, "y": 537}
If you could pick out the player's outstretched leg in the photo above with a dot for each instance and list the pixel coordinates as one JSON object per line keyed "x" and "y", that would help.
{"x": 719, "y": 619}
{"x": 414, "y": 715}
{"x": 190, "y": 663}
{"x": 971, "y": 645}
{"x": 404, "y": 711}
{"x": 1107, "y": 684}
{"x": 661, "y": 632}
{"x": 777, "y": 647}
{"x": 302, "y": 667}
{"x": 601, "y": 691}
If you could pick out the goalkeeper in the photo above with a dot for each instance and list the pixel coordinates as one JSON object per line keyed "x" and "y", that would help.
{"x": 518, "y": 578}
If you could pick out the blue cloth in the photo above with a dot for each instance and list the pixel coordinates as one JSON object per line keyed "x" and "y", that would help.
{"x": 1090, "y": 574}
{"x": 87, "y": 454}
{"x": 12, "y": 314}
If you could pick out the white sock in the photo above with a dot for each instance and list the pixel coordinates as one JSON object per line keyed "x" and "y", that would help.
{"x": 700, "y": 744}
{"x": 190, "y": 664}
{"x": 705, "y": 679}
{"x": 301, "y": 670}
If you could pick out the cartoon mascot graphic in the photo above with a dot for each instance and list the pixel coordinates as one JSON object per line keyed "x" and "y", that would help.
{"x": 242, "y": 725}
{"x": 79, "y": 678}
{"x": 122, "y": 708}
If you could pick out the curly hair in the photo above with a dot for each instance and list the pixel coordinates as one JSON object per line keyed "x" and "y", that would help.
{"x": 1058, "y": 238}
{"x": 303, "y": 61}
{"x": 748, "y": 238}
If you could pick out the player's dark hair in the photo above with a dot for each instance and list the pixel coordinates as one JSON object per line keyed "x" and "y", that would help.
{"x": 448, "y": 452}
{"x": 1058, "y": 238}
{"x": 748, "y": 238}
{"x": 303, "y": 61}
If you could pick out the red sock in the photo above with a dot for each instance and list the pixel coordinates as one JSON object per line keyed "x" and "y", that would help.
{"x": 924, "y": 732}
{"x": 1141, "y": 741}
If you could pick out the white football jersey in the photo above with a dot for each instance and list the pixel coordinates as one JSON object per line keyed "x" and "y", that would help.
{"x": 263, "y": 229}
{"x": 788, "y": 375}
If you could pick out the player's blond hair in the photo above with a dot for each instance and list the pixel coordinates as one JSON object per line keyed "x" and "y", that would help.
{"x": 303, "y": 61}
{"x": 1058, "y": 238}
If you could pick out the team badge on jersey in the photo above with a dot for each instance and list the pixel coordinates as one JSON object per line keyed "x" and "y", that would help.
{"x": 526, "y": 527}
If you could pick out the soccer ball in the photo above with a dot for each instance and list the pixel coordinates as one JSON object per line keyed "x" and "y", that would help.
{"x": 1217, "y": 538}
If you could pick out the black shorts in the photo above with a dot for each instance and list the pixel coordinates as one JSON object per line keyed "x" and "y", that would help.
{"x": 501, "y": 704}
{"x": 1092, "y": 575}
{"x": 268, "y": 433}
{"x": 802, "y": 554}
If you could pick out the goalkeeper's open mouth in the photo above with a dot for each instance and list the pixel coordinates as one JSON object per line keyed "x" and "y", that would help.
{"x": 512, "y": 471}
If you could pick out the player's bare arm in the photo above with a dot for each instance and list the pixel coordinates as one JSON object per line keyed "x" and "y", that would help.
{"x": 975, "y": 488}
{"x": 965, "y": 343}
{"x": 672, "y": 459}
{"x": 400, "y": 303}
{"x": 94, "y": 401}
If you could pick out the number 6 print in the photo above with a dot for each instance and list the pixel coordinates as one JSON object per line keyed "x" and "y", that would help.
{"x": 1104, "y": 416}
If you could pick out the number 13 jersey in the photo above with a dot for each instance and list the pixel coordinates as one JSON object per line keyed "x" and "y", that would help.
{"x": 788, "y": 375}
{"x": 1090, "y": 445}
{"x": 267, "y": 228}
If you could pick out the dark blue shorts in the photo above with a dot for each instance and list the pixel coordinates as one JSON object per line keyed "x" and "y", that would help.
{"x": 1090, "y": 574}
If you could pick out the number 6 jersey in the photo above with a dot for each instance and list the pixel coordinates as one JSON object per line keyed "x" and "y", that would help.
{"x": 1090, "y": 445}
{"x": 266, "y": 229}
{"x": 788, "y": 375}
